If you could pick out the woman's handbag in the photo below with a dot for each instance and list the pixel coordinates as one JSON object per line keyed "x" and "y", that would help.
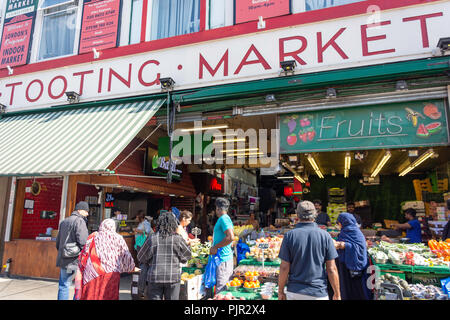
{"x": 139, "y": 241}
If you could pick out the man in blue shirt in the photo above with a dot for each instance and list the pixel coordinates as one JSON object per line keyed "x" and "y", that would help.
{"x": 412, "y": 227}
{"x": 304, "y": 253}
{"x": 223, "y": 236}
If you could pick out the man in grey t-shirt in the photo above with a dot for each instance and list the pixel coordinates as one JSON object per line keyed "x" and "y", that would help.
{"x": 304, "y": 253}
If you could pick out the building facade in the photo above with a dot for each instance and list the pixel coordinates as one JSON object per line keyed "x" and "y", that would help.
{"x": 82, "y": 99}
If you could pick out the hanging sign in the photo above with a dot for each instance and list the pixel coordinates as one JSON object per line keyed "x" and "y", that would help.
{"x": 215, "y": 185}
{"x": 250, "y": 10}
{"x": 398, "y": 125}
{"x": 109, "y": 200}
{"x": 17, "y": 32}
{"x": 100, "y": 25}
{"x": 156, "y": 165}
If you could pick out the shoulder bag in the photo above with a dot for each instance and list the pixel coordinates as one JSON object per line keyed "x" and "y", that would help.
{"x": 71, "y": 249}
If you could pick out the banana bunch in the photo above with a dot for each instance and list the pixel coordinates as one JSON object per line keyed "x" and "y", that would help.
{"x": 413, "y": 116}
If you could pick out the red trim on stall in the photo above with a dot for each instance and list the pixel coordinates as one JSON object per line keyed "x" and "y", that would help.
{"x": 302, "y": 18}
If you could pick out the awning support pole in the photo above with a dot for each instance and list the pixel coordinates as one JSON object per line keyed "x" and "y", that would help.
{"x": 129, "y": 155}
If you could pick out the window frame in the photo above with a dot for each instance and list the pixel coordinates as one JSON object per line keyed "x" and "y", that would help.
{"x": 143, "y": 24}
{"x": 38, "y": 30}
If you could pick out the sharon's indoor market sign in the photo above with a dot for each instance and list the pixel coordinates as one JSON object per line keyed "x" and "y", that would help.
{"x": 381, "y": 126}
{"x": 402, "y": 34}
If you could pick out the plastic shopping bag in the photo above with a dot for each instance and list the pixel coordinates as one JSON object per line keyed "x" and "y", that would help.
{"x": 241, "y": 248}
{"x": 209, "y": 277}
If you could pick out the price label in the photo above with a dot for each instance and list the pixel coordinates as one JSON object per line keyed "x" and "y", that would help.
{"x": 263, "y": 246}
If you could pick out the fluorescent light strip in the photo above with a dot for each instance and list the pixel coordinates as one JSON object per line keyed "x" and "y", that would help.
{"x": 245, "y": 154}
{"x": 239, "y": 150}
{"x": 229, "y": 140}
{"x": 418, "y": 161}
{"x": 383, "y": 161}
{"x": 348, "y": 160}
{"x": 285, "y": 177}
{"x": 205, "y": 128}
{"x": 315, "y": 166}
{"x": 299, "y": 179}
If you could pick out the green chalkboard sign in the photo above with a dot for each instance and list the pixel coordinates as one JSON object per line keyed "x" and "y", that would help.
{"x": 397, "y": 125}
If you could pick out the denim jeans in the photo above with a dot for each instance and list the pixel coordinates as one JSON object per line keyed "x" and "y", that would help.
{"x": 65, "y": 280}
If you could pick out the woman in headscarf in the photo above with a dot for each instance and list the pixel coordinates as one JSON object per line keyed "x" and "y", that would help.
{"x": 352, "y": 261}
{"x": 104, "y": 257}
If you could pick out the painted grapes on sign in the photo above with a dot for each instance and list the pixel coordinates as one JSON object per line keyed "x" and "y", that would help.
{"x": 393, "y": 125}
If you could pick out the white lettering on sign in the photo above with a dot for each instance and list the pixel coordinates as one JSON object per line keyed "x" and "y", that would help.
{"x": 403, "y": 34}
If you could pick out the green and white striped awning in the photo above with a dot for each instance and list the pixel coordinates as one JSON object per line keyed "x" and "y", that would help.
{"x": 71, "y": 141}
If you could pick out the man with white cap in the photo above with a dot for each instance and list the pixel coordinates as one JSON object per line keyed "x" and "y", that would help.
{"x": 304, "y": 253}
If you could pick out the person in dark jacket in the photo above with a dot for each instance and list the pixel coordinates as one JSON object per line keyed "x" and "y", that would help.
{"x": 71, "y": 230}
{"x": 446, "y": 232}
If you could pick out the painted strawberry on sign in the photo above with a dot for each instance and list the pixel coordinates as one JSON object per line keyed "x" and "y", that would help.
{"x": 311, "y": 133}
{"x": 303, "y": 135}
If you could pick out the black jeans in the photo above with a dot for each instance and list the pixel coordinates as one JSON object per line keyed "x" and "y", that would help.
{"x": 163, "y": 291}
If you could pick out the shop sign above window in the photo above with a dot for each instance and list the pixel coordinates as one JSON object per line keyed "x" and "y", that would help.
{"x": 156, "y": 165}
{"x": 100, "y": 25}
{"x": 398, "y": 125}
{"x": 251, "y": 10}
{"x": 17, "y": 32}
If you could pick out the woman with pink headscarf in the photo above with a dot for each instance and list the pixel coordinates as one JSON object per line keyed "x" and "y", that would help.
{"x": 104, "y": 257}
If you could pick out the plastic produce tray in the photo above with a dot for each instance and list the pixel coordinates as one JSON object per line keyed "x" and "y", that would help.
{"x": 436, "y": 269}
{"x": 399, "y": 267}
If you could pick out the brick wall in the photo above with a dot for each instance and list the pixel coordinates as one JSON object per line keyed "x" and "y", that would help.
{"x": 48, "y": 199}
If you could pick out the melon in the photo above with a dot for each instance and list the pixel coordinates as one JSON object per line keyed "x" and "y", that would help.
{"x": 422, "y": 131}
{"x": 433, "y": 127}
{"x": 431, "y": 111}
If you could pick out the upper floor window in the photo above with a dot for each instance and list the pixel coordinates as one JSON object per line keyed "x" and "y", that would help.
{"x": 174, "y": 17}
{"x": 320, "y": 4}
{"x": 59, "y": 28}
{"x": 136, "y": 21}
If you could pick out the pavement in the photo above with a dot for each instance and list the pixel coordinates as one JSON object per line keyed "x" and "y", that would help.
{"x": 17, "y": 288}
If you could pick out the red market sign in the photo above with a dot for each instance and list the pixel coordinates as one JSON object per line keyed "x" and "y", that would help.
{"x": 288, "y": 191}
{"x": 100, "y": 25}
{"x": 215, "y": 185}
{"x": 250, "y": 10}
{"x": 16, "y": 39}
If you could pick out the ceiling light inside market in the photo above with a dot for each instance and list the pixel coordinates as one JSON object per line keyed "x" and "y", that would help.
{"x": 315, "y": 166}
{"x": 383, "y": 161}
{"x": 224, "y": 126}
{"x": 291, "y": 177}
{"x": 348, "y": 160}
{"x": 418, "y": 161}
{"x": 240, "y": 150}
{"x": 229, "y": 140}
{"x": 292, "y": 158}
{"x": 299, "y": 179}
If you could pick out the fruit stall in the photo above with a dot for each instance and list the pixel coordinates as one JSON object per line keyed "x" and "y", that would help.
{"x": 256, "y": 276}
{"x": 411, "y": 271}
